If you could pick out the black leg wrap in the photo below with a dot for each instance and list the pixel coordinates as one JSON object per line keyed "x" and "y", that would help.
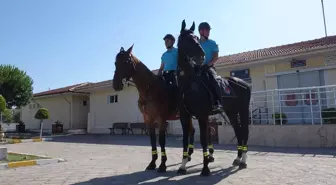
{"x": 163, "y": 167}
{"x": 152, "y": 164}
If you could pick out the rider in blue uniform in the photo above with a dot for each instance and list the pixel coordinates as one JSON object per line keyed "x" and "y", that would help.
{"x": 169, "y": 61}
{"x": 211, "y": 55}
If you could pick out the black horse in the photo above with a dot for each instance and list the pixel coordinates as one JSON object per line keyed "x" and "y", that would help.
{"x": 197, "y": 100}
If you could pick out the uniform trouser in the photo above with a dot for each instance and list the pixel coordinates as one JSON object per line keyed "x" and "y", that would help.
{"x": 214, "y": 85}
{"x": 170, "y": 80}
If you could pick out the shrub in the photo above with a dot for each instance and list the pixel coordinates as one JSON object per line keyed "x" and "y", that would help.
{"x": 42, "y": 114}
{"x": 278, "y": 117}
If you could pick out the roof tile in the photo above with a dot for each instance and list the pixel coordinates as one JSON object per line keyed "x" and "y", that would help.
{"x": 277, "y": 50}
{"x": 60, "y": 90}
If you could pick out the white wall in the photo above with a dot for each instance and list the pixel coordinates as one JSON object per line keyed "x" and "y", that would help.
{"x": 102, "y": 114}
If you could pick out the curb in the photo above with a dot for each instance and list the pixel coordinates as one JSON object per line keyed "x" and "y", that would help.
{"x": 15, "y": 141}
{"x": 40, "y": 162}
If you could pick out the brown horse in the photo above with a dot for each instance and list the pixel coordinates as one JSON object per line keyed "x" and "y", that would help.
{"x": 155, "y": 102}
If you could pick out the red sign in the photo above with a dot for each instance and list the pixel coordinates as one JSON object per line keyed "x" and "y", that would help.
{"x": 291, "y": 100}
{"x": 311, "y": 98}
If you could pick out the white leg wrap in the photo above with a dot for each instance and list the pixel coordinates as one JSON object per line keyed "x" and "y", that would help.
{"x": 184, "y": 162}
{"x": 244, "y": 157}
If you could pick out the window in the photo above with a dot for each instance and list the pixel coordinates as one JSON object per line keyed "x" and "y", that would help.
{"x": 112, "y": 99}
{"x": 242, "y": 74}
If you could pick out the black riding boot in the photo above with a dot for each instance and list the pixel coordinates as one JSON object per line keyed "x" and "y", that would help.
{"x": 216, "y": 91}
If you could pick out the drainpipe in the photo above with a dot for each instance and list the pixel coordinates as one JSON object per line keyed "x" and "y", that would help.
{"x": 70, "y": 111}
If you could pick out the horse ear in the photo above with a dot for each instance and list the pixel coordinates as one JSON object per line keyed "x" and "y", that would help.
{"x": 130, "y": 49}
{"x": 122, "y": 49}
{"x": 183, "y": 25}
{"x": 192, "y": 28}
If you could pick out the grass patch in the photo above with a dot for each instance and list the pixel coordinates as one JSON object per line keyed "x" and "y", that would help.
{"x": 14, "y": 157}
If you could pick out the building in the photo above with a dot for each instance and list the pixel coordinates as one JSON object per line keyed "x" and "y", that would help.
{"x": 304, "y": 64}
{"x": 65, "y": 105}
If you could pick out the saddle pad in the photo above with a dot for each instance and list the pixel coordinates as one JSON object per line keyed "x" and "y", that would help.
{"x": 226, "y": 89}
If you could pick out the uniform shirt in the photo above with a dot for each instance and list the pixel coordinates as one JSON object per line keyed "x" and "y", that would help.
{"x": 209, "y": 46}
{"x": 169, "y": 59}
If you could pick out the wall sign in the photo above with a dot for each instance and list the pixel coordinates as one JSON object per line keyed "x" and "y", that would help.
{"x": 298, "y": 63}
{"x": 243, "y": 74}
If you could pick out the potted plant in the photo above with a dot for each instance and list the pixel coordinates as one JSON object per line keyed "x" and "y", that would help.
{"x": 329, "y": 115}
{"x": 279, "y": 118}
{"x": 57, "y": 127}
{"x": 21, "y": 127}
{"x": 41, "y": 115}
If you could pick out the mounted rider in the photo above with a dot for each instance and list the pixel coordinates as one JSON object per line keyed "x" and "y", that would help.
{"x": 211, "y": 50}
{"x": 169, "y": 61}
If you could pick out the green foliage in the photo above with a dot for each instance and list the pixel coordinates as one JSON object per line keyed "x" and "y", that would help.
{"x": 280, "y": 117}
{"x": 7, "y": 116}
{"x": 16, "y": 117}
{"x": 42, "y": 114}
{"x": 58, "y": 122}
{"x": 2, "y": 103}
{"x": 329, "y": 115}
{"x": 15, "y": 86}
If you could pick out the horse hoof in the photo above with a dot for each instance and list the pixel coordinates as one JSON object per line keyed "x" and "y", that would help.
{"x": 242, "y": 165}
{"x": 162, "y": 169}
{"x": 181, "y": 171}
{"x": 211, "y": 159}
{"x": 189, "y": 159}
{"x": 236, "y": 162}
{"x": 151, "y": 167}
{"x": 205, "y": 172}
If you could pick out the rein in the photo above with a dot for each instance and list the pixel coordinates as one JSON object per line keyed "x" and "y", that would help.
{"x": 142, "y": 99}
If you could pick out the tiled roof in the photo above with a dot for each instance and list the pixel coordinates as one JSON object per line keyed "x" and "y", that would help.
{"x": 60, "y": 90}
{"x": 277, "y": 51}
{"x": 249, "y": 56}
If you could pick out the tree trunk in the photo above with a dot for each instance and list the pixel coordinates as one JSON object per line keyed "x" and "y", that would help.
{"x": 41, "y": 123}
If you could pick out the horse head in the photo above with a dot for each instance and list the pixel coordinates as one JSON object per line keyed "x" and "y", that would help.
{"x": 189, "y": 47}
{"x": 124, "y": 68}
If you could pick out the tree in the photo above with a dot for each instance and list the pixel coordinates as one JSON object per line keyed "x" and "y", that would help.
{"x": 7, "y": 116}
{"x": 15, "y": 86}
{"x": 2, "y": 103}
{"x": 42, "y": 114}
{"x": 2, "y": 107}
{"x": 17, "y": 117}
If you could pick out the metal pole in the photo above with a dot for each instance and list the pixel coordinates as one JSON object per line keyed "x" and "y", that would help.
{"x": 325, "y": 26}
{"x": 251, "y": 110}
{"x": 311, "y": 107}
{"x": 273, "y": 107}
{"x": 319, "y": 99}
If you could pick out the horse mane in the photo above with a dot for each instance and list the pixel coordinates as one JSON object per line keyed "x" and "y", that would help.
{"x": 140, "y": 64}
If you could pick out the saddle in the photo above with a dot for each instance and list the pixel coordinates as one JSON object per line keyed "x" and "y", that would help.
{"x": 222, "y": 83}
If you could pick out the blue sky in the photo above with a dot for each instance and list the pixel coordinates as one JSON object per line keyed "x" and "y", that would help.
{"x": 63, "y": 42}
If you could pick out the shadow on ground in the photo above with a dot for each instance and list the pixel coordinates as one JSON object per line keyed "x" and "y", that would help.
{"x": 175, "y": 142}
{"x": 170, "y": 177}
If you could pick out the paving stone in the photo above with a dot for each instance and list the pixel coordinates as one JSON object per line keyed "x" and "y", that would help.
{"x": 103, "y": 159}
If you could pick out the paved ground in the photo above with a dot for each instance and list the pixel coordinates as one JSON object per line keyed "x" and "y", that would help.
{"x": 101, "y": 160}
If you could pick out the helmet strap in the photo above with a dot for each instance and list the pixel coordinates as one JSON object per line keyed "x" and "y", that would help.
{"x": 204, "y": 37}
